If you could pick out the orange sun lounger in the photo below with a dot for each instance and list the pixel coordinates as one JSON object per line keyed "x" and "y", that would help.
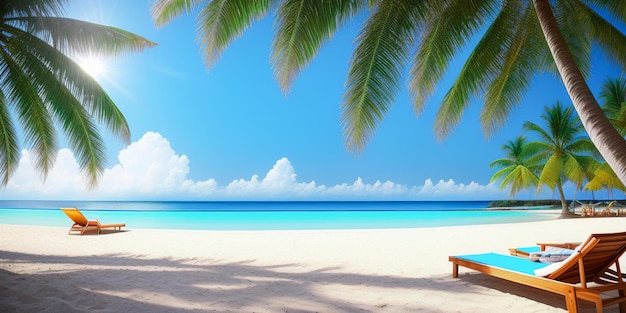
{"x": 82, "y": 224}
{"x": 587, "y": 274}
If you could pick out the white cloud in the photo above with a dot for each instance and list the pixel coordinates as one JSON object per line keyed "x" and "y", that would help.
{"x": 450, "y": 188}
{"x": 378, "y": 189}
{"x": 150, "y": 169}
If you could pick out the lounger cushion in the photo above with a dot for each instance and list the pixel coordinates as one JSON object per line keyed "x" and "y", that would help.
{"x": 508, "y": 262}
{"x": 551, "y": 255}
{"x": 545, "y": 271}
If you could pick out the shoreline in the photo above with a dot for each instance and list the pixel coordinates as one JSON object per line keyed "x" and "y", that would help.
{"x": 366, "y": 270}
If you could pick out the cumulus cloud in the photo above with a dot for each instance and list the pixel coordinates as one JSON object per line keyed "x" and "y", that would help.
{"x": 150, "y": 169}
{"x": 450, "y": 188}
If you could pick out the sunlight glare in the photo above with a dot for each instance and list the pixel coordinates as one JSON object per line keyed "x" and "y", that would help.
{"x": 94, "y": 66}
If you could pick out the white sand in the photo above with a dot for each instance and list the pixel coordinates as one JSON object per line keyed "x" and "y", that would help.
{"x": 42, "y": 269}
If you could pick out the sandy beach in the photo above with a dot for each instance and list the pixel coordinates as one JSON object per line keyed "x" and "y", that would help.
{"x": 43, "y": 269}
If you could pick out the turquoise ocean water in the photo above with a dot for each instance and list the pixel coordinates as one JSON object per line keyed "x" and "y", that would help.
{"x": 269, "y": 215}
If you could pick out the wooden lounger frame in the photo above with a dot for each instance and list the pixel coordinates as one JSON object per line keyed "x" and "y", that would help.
{"x": 543, "y": 246}
{"x": 82, "y": 224}
{"x": 592, "y": 263}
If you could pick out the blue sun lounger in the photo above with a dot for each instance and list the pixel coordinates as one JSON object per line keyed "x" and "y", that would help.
{"x": 592, "y": 262}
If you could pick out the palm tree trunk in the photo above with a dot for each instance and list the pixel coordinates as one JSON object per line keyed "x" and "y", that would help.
{"x": 564, "y": 206}
{"x": 604, "y": 136}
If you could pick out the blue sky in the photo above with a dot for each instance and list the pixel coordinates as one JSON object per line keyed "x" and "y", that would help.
{"x": 228, "y": 133}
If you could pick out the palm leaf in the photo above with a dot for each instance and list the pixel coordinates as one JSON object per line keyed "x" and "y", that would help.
{"x": 502, "y": 163}
{"x": 74, "y": 36}
{"x": 77, "y": 122}
{"x": 545, "y": 136}
{"x": 9, "y": 147}
{"x": 573, "y": 169}
{"x": 483, "y": 64}
{"x": 164, "y": 11}
{"x": 24, "y": 96}
{"x": 32, "y": 8}
{"x": 221, "y": 21}
{"x": 84, "y": 88}
{"x": 610, "y": 38}
{"x": 552, "y": 171}
{"x": 569, "y": 17}
{"x": 376, "y": 70}
{"x": 523, "y": 56}
{"x": 442, "y": 39}
{"x": 302, "y": 26}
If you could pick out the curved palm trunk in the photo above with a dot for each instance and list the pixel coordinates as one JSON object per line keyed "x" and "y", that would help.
{"x": 609, "y": 142}
{"x": 564, "y": 206}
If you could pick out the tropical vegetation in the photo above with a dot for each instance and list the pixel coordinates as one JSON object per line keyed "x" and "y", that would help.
{"x": 520, "y": 169}
{"x": 42, "y": 88}
{"x": 613, "y": 96}
{"x": 565, "y": 148}
{"x": 516, "y": 40}
{"x": 562, "y": 152}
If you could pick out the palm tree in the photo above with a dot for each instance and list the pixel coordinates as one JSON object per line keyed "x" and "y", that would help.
{"x": 521, "y": 38}
{"x": 613, "y": 94}
{"x": 566, "y": 151}
{"x": 604, "y": 177}
{"x": 520, "y": 167}
{"x": 43, "y": 87}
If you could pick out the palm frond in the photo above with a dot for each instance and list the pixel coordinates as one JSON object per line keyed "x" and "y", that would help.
{"x": 24, "y": 96}
{"x": 617, "y": 9}
{"x": 543, "y": 134}
{"x": 15, "y": 8}
{"x": 502, "y": 174}
{"x": 502, "y": 163}
{"x": 574, "y": 169}
{"x": 443, "y": 37}
{"x": 610, "y": 38}
{"x": 481, "y": 67}
{"x": 72, "y": 36}
{"x": 164, "y": 11}
{"x": 222, "y": 21}
{"x": 582, "y": 145}
{"x": 552, "y": 171}
{"x": 82, "y": 86}
{"x": 76, "y": 122}
{"x": 302, "y": 26}
{"x": 613, "y": 95}
{"x": 376, "y": 70}
{"x": 523, "y": 57}
{"x": 569, "y": 17}
{"x": 9, "y": 147}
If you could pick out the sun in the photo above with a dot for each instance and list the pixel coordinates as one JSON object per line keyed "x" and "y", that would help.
{"x": 94, "y": 66}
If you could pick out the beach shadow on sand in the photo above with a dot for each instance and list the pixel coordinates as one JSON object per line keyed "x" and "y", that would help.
{"x": 534, "y": 294}
{"x": 109, "y": 283}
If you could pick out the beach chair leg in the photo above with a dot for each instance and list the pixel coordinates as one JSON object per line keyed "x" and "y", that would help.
{"x": 571, "y": 303}
{"x": 455, "y": 270}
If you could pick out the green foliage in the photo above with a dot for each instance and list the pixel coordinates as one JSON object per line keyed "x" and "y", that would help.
{"x": 566, "y": 153}
{"x": 424, "y": 35}
{"x": 519, "y": 169}
{"x": 44, "y": 87}
{"x": 565, "y": 148}
{"x": 613, "y": 95}
{"x": 522, "y": 203}
{"x": 561, "y": 153}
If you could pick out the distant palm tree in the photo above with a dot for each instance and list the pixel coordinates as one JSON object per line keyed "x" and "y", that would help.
{"x": 520, "y": 168}
{"x": 521, "y": 38}
{"x": 565, "y": 149}
{"x": 604, "y": 177}
{"x": 613, "y": 95}
{"x": 44, "y": 88}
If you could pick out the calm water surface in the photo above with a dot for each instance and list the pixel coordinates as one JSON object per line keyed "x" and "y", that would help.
{"x": 270, "y": 215}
